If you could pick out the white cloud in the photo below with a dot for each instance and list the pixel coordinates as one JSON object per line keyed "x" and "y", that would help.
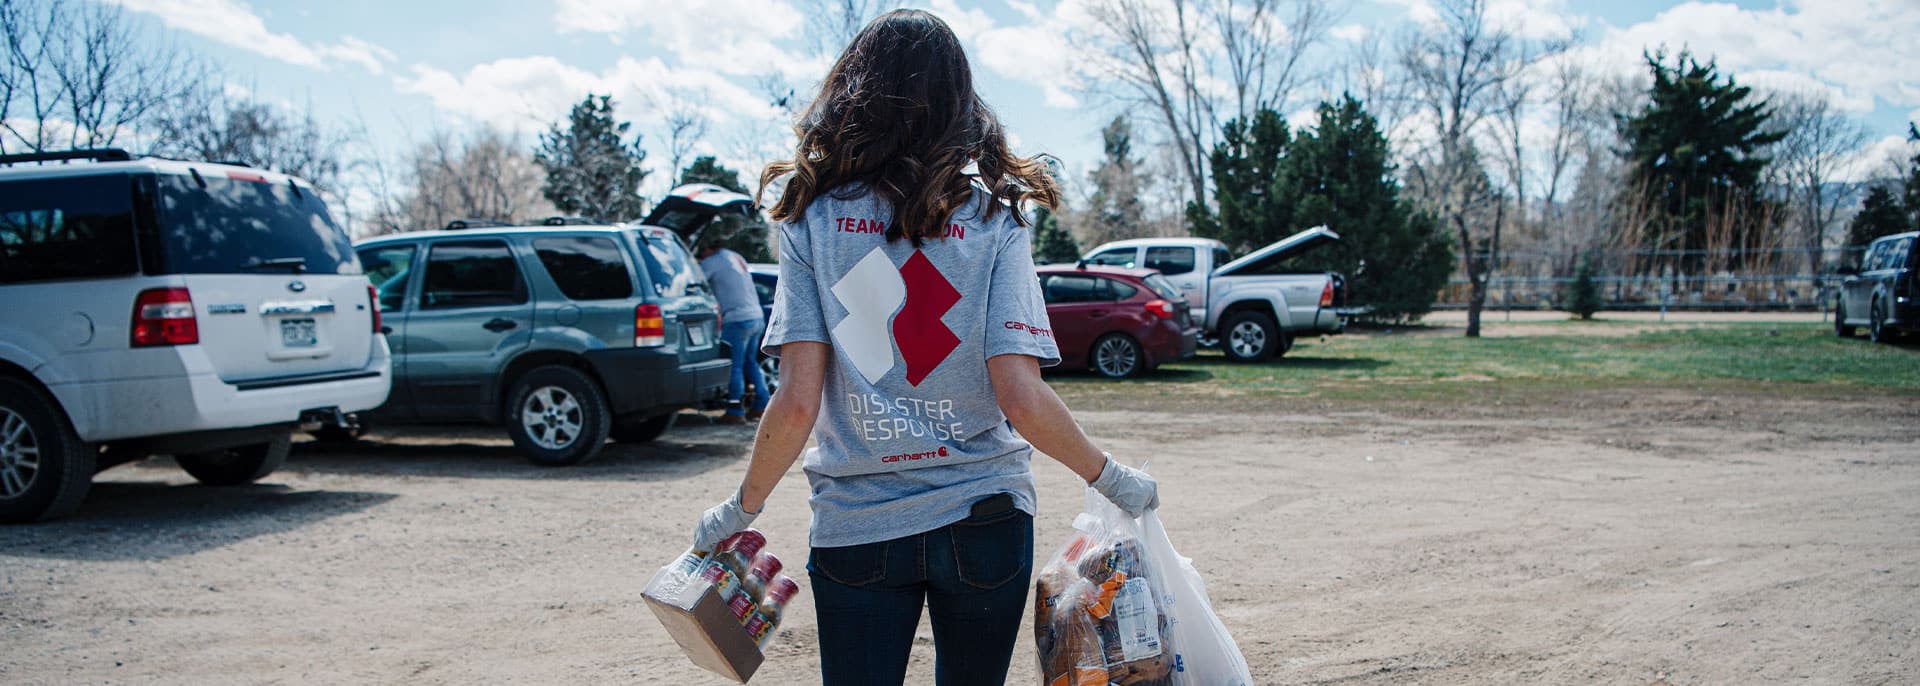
{"x": 1779, "y": 81}
{"x": 1349, "y": 32}
{"x": 235, "y": 23}
{"x": 737, "y": 37}
{"x": 1528, "y": 18}
{"x": 531, "y": 92}
{"x": 1883, "y": 158}
{"x": 966, "y": 23}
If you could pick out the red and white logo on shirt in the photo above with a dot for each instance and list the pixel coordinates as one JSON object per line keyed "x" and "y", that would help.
{"x": 891, "y": 308}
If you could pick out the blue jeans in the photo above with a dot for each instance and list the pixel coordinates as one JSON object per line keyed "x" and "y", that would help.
{"x": 744, "y": 338}
{"x": 971, "y": 575}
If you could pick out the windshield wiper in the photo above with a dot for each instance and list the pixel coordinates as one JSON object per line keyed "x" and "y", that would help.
{"x": 292, "y": 264}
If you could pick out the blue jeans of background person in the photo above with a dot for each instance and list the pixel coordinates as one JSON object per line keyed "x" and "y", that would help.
{"x": 744, "y": 338}
{"x": 972, "y": 577}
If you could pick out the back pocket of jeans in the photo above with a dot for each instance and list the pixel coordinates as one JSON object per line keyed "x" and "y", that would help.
{"x": 991, "y": 551}
{"x": 853, "y": 565}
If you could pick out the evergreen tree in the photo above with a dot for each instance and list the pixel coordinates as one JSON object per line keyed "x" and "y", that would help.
{"x": 1583, "y": 296}
{"x": 1913, "y": 179}
{"x": 1694, "y": 151}
{"x": 1116, "y": 209}
{"x": 1247, "y": 171}
{"x": 1881, "y": 214}
{"x": 591, "y": 172}
{"x": 744, "y": 235}
{"x": 1051, "y": 242}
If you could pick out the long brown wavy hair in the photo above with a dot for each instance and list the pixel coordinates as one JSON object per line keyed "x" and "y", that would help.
{"x": 898, "y": 116}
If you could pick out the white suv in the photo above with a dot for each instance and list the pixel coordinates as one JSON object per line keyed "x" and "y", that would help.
{"x": 152, "y": 306}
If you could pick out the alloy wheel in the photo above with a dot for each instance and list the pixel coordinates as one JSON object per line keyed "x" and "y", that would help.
{"x": 1247, "y": 339}
{"x": 19, "y": 454}
{"x": 552, "y": 417}
{"x": 1117, "y": 357}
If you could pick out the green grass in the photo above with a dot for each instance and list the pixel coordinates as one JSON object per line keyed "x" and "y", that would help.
{"x": 1796, "y": 356}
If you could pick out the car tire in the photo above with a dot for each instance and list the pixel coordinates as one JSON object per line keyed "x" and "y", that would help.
{"x": 1117, "y": 356}
{"x": 558, "y": 416}
{"x": 237, "y": 466}
{"x": 1877, "y": 323}
{"x": 1840, "y": 327}
{"x": 45, "y": 470}
{"x": 1249, "y": 336}
{"x": 642, "y": 429}
{"x": 770, "y": 370}
{"x": 333, "y": 434}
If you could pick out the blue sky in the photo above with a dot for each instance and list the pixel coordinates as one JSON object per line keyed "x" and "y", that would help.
{"x": 405, "y": 69}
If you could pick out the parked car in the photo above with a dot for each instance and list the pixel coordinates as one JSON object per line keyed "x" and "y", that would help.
{"x": 765, "y": 278}
{"x": 1116, "y": 322}
{"x": 1883, "y": 292}
{"x": 566, "y": 333}
{"x": 1252, "y": 310}
{"x": 153, "y": 306}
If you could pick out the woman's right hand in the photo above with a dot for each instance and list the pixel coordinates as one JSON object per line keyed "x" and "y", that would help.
{"x": 721, "y": 521}
{"x": 1130, "y": 489}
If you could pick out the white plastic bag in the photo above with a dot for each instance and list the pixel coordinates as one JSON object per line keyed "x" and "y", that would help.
{"x": 1117, "y": 606}
{"x": 1204, "y": 653}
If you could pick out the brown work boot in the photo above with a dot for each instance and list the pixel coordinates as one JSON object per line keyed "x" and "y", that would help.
{"x": 755, "y": 415}
{"x": 732, "y": 420}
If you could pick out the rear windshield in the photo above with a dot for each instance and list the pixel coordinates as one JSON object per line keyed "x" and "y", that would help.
{"x": 71, "y": 228}
{"x": 669, "y": 268}
{"x": 1162, "y": 287}
{"x": 240, "y": 226}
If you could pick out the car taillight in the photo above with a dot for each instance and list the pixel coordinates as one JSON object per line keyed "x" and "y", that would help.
{"x": 373, "y": 304}
{"x": 164, "y": 316}
{"x": 649, "y": 326}
{"x": 1326, "y": 294}
{"x": 1160, "y": 308}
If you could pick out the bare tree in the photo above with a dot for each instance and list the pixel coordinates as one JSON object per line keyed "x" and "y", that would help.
{"x": 686, "y": 123}
{"x": 1454, "y": 74}
{"x": 832, "y": 24}
{"x": 1819, "y": 149}
{"x": 487, "y": 174}
{"x": 222, "y": 128}
{"x": 81, "y": 76}
{"x": 1145, "y": 55}
{"x": 1264, "y": 50}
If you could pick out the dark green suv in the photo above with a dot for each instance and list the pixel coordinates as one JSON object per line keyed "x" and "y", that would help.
{"x": 567, "y": 334}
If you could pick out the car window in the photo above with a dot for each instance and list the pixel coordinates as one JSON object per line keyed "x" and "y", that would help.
{"x": 764, "y": 290}
{"x": 1116, "y": 290}
{"x": 1117, "y": 257}
{"x": 1063, "y": 289}
{"x": 1162, "y": 287}
{"x": 1221, "y": 256}
{"x": 670, "y": 269}
{"x": 71, "y": 228}
{"x": 585, "y": 267}
{"x": 232, "y": 224}
{"x": 388, "y": 267}
{"x": 1897, "y": 254}
{"x": 1170, "y": 261}
{"x": 471, "y": 274}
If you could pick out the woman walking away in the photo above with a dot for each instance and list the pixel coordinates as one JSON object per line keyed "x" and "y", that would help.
{"x": 911, "y": 332}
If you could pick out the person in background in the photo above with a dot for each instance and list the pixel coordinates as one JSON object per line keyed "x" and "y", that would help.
{"x": 740, "y": 328}
{"x": 911, "y": 331}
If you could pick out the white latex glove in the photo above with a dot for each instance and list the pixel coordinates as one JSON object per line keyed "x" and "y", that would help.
{"x": 1130, "y": 489}
{"x": 721, "y": 521}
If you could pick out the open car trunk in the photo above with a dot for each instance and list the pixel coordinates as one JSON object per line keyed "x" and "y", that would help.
{"x": 688, "y": 209}
{"x": 1268, "y": 260}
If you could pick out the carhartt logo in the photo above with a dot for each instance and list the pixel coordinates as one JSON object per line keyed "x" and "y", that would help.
{"x": 873, "y": 291}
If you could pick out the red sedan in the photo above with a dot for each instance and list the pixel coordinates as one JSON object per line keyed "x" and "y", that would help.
{"x": 1116, "y": 322}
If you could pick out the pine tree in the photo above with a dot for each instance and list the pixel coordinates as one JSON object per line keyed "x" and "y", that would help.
{"x": 1051, "y": 242}
{"x": 1583, "y": 296}
{"x": 1115, "y": 208}
{"x": 1694, "y": 150}
{"x": 1881, "y": 214}
{"x": 1247, "y": 169}
{"x": 591, "y": 172}
{"x": 744, "y": 235}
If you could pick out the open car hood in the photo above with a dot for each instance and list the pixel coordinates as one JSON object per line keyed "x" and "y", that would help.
{"x": 689, "y": 207}
{"x": 1259, "y": 261}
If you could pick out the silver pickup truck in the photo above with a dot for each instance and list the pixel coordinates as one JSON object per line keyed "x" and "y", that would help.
{"x": 1253, "y": 311}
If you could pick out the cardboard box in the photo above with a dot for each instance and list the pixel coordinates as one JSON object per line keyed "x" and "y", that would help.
{"x": 707, "y": 631}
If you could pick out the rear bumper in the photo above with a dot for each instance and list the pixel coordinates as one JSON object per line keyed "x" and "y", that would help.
{"x": 1166, "y": 342}
{"x": 198, "y": 401}
{"x": 647, "y": 381}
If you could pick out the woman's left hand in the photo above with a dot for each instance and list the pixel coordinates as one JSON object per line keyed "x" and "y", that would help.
{"x": 721, "y": 521}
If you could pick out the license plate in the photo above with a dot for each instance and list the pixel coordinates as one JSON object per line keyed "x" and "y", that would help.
{"x": 298, "y": 333}
{"x": 697, "y": 335}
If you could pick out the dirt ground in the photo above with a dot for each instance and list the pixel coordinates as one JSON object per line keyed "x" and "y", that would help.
{"x": 1673, "y": 536}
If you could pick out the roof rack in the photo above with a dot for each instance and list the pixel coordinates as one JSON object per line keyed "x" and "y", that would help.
{"x": 567, "y": 221}
{"x": 459, "y": 224}
{"x": 96, "y": 155}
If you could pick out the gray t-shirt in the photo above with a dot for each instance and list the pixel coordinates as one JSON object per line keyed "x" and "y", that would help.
{"x": 727, "y": 271}
{"x": 909, "y": 433}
